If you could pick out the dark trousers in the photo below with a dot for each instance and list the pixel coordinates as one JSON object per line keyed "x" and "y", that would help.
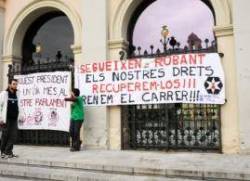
{"x": 74, "y": 131}
{"x": 9, "y": 135}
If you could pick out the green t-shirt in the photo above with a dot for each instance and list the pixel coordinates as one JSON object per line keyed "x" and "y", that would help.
{"x": 77, "y": 112}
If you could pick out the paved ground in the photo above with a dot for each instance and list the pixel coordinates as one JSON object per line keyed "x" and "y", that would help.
{"x": 178, "y": 160}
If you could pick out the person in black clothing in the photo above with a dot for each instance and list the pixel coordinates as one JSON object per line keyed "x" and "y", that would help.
{"x": 10, "y": 108}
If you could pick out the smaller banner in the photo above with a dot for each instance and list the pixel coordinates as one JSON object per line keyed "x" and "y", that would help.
{"x": 42, "y": 99}
{"x": 184, "y": 78}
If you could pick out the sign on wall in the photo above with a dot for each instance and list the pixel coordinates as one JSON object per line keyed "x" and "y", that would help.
{"x": 42, "y": 99}
{"x": 185, "y": 78}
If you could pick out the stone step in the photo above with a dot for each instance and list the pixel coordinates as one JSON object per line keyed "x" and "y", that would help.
{"x": 62, "y": 170}
{"x": 200, "y": 166}
{"x": 21, "y": 172}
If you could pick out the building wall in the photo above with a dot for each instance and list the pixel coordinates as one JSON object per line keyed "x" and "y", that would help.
{"x": 100, "y": 29}
{"x": 242, "y": 50}
{"x": 1, "y": 42}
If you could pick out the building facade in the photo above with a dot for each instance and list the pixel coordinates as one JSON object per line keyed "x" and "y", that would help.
{"x": 100, "y": 32}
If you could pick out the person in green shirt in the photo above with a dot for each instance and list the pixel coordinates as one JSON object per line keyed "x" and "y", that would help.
{"x": 76, "y": 119}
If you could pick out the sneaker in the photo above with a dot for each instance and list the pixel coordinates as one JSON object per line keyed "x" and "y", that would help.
{"x": 72, "y": 149}
{"x": 78, "y": 147}
{"x": 3, "y": 155}
{"x": 12, "y": 156}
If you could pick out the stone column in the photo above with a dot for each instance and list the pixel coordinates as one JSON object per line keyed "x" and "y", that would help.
{"x": 95, "y": 30}
{"x": 229, "y": 111}
{"x": 77, "y": 52}
{"x": 115, "y": 120}
{"x": 2, "y": 10}
{"x": 242, "y": 49}
{"x": 6, "y": 61}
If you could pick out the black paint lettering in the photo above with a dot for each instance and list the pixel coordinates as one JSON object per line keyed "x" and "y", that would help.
{"x": 170, "y": 95}
{"x": 192, "y": 71}
{"x": 176, "y": 71}
{"x": 184, "y": 70}
{"x": 154, "y": 98}
{"x": 145, "y": 98}
{"x": 102, "y": 77}
{"x": 110, "y": 99}
{"x": 123, "y": 96}
{"x": 161, "y": 73}
{"x": 162, "y": 96}
{"x": 145, "y": 74}
{"x": 184, "y": 95}
{"x": 115, "y": 76}
{"x": 209, "y": 70}
{"x": 177, "y": 96}
{"x": 88, "y": 78}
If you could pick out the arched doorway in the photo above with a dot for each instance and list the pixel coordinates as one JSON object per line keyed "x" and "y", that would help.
{"x": 170, "y": 126}
{"x": 46, "y": 47}
{"x": 42, "y": 38}
{"x": 48, "y": 38}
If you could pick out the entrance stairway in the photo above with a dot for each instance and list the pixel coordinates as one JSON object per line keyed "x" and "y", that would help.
{"x": 54, "y": 163}
{"x": 41, "y": 172}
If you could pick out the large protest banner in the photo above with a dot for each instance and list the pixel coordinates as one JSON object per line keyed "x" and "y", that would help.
{"x": 42, "y": 100}
{"x": 184, "y": 78}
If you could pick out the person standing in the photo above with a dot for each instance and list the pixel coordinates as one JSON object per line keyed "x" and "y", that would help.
{"x": 76, "y": 119}
{"x": 10, "y": 113}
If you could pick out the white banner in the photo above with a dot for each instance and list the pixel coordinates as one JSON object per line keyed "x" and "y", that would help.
{"x": 42, "y": 99}
{"x": 184, "y": 78}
